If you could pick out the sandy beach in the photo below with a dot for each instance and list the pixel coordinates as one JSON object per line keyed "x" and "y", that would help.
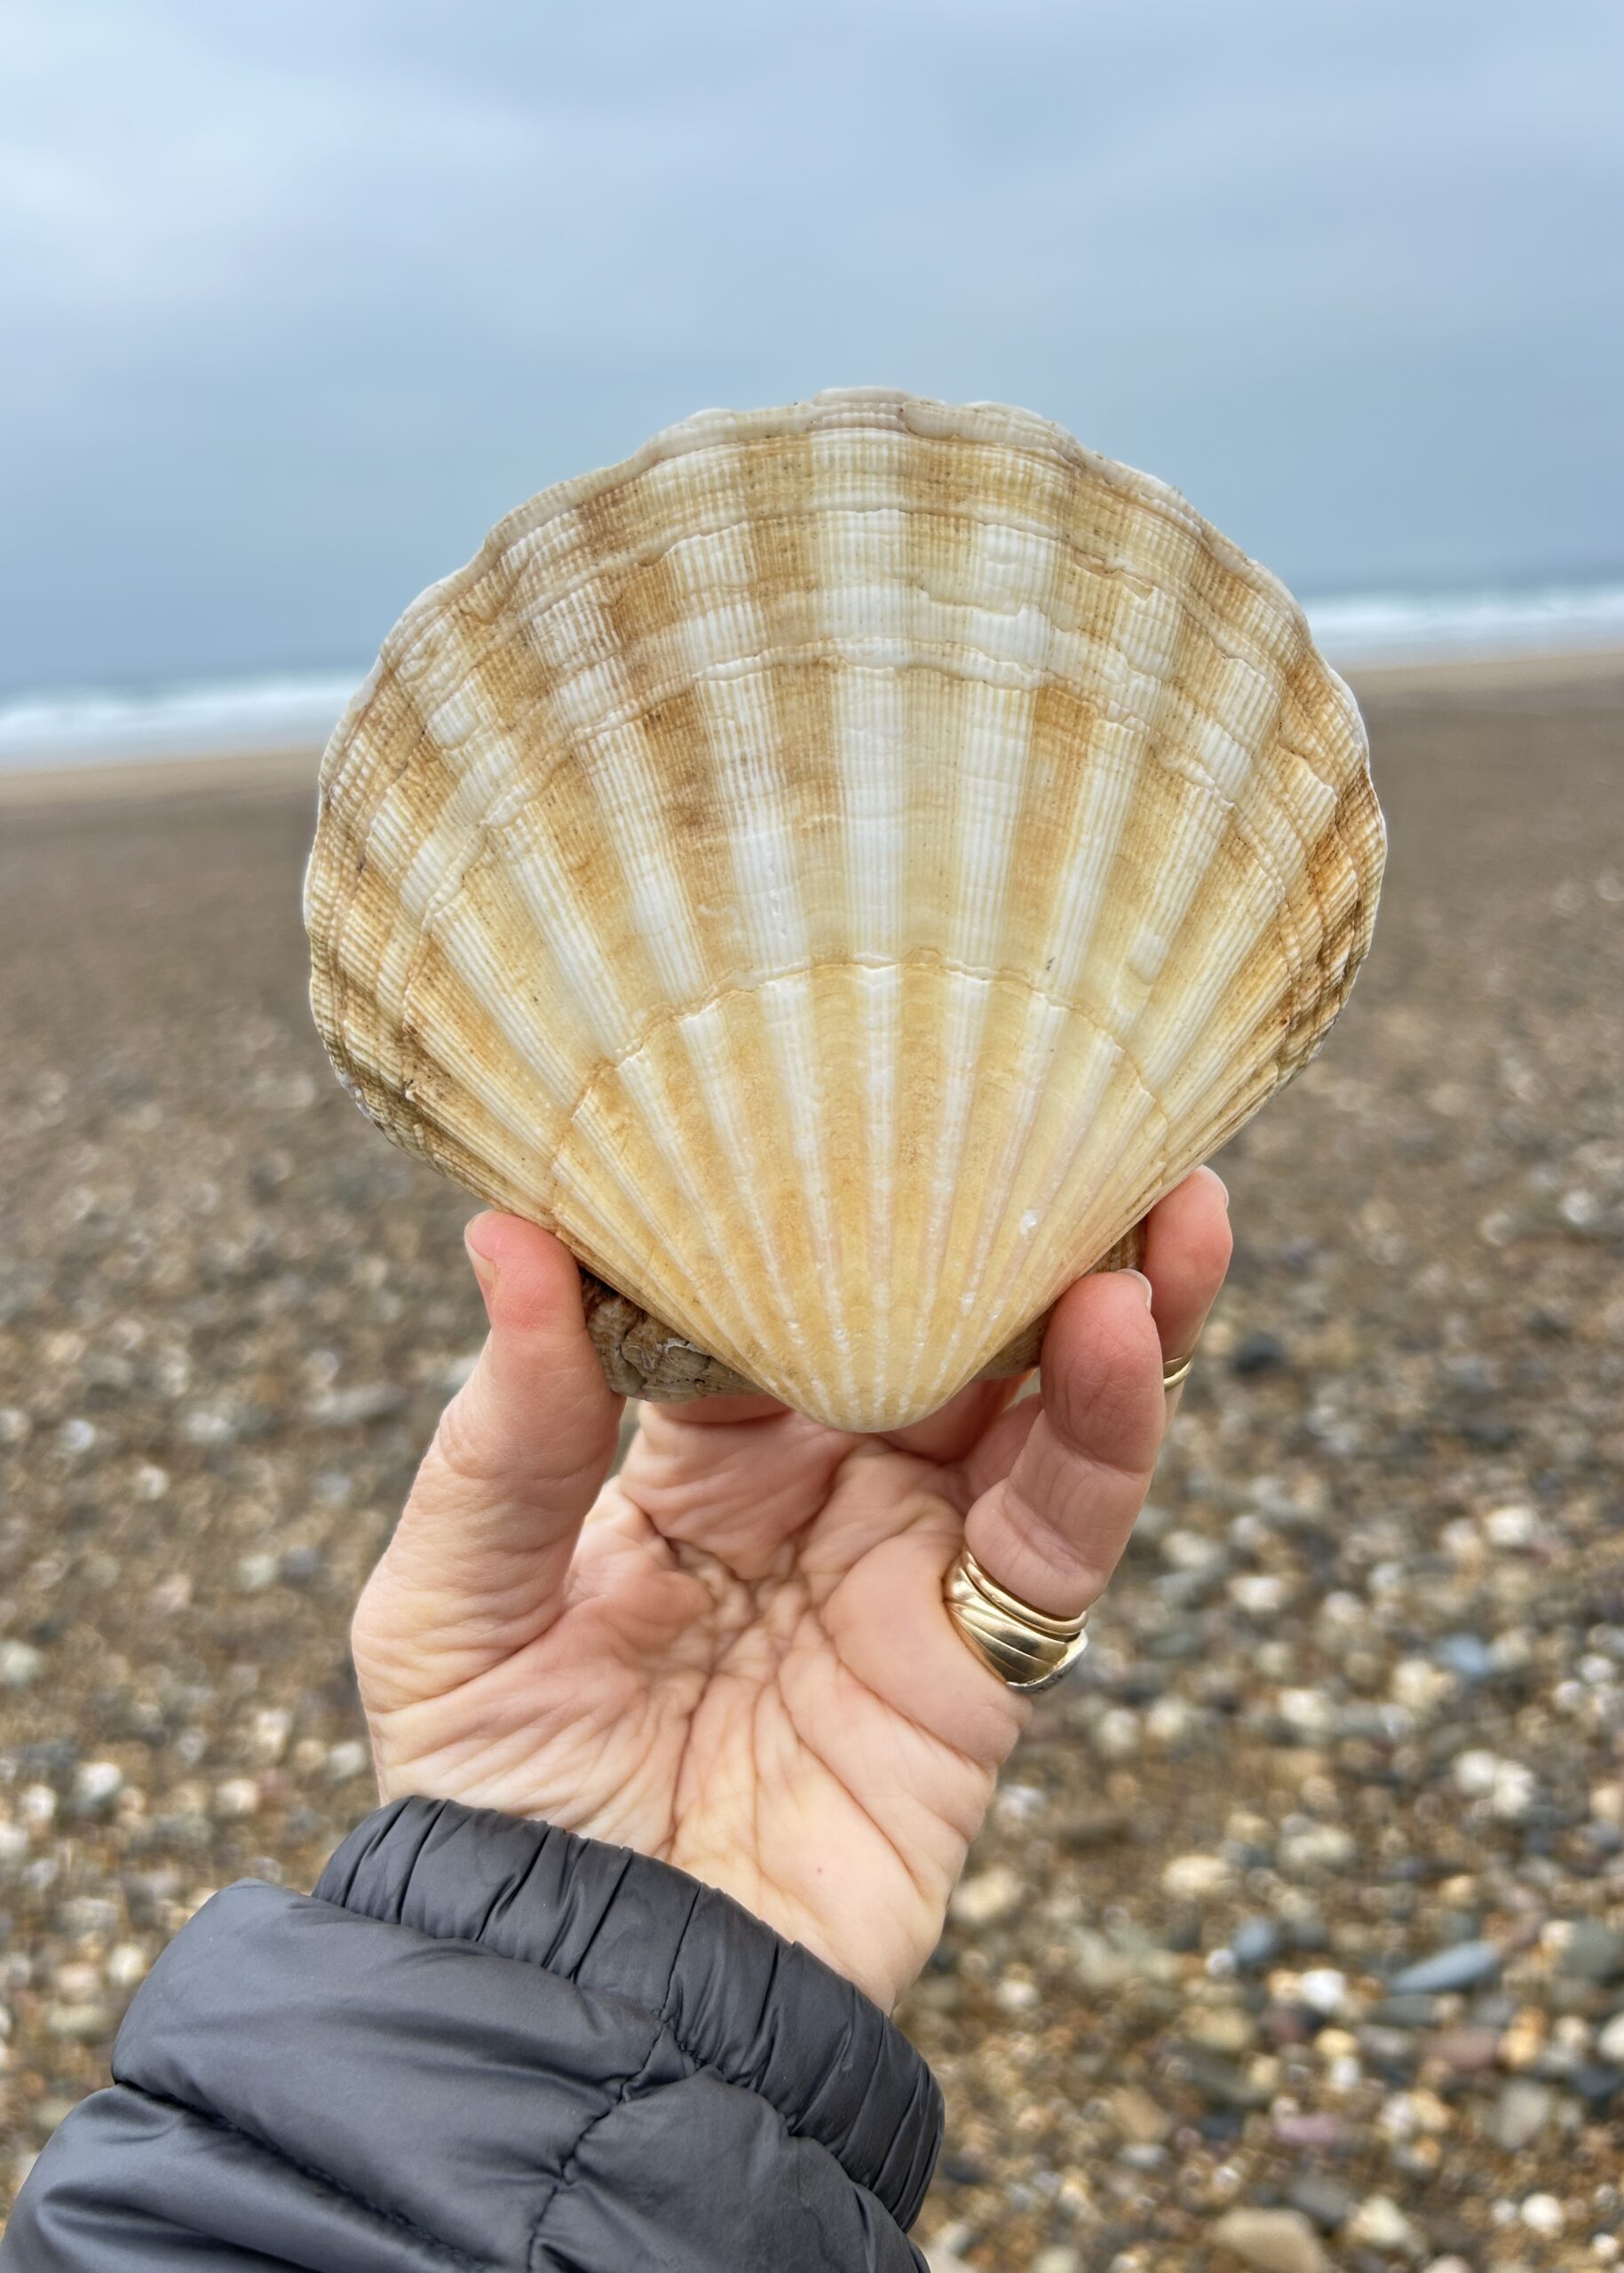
{"x": 1356, "y": 1702}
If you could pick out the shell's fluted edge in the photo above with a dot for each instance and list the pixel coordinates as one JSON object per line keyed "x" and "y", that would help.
{"x": 644, "y": 1357}
{"x": 837, "y": 869}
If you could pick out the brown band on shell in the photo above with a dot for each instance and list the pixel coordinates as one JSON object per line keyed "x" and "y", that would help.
{"x": 643, "y": 1358}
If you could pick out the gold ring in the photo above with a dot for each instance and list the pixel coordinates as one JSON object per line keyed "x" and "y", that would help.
{"x": 1172, "y": 1375}
{"x": 1025, "y": 1647}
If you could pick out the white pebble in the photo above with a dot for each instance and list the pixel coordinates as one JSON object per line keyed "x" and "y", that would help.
{"x": 1195, "y": 1878}
{"x": 20, "y": 1663}
{"x": 96, "y": 1782}
{"x": 1514, "y": 1529}
{"x": 1322, "y": 1990}
{"x": 1116, "y": 1734}
{"x": 126, "y": 1965}
{"x": 986, "y": 1897}
{"x": 1542, "y": 2213}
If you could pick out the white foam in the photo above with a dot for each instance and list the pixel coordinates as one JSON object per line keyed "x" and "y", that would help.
{"x": 219, "y": 719}
{"x": 1419, "y": 627}
{"x": 292, "y": 710}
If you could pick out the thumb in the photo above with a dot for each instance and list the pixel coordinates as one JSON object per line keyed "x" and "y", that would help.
{"x": 477, "y": 1566}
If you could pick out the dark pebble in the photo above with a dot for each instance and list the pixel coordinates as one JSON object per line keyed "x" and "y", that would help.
{"x": 1221, "y": 2084}
{"x": 1257, "y": 1353}
{"x": 1596, "y": 2083}
{"x": 1289, "y": 2023}
{"x": 1394, "y": 2051}
{"x": 1323, "y": 2199}
{"x": 1408, "y": 2011}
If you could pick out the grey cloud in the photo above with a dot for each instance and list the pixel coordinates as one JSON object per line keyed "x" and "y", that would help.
{"x": 302, "y": 299}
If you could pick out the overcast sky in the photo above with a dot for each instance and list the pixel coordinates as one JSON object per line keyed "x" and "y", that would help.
{"x": 295, "y": 300}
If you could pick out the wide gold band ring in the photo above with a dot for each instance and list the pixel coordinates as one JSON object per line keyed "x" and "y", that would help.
{"x": 1025, "y": 1647}
{"x": 1172, "y": 1375}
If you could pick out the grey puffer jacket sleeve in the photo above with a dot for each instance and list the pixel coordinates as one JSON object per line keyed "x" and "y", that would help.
{"x": 483, "y": 2043}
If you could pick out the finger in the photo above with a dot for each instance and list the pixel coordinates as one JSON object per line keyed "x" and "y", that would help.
{"x": 1187, "y": 1244}
{"x": 1052, "y": 1530}
{"x": 522, "y": 1450}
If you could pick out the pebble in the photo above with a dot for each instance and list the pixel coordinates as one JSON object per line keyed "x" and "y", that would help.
{"x": 1272, "y": 2241}
{"x": 987, "y": 1899}
{"x": 1522, "y": 2112}
{"x": 1314, "y": 2129}
{"x": 1466, "y": 2050}
{"x": 1379, "y": 2224}
{"x": 1059, "y": 2260}
{"x": 1317, "y": 1848}
{"x": 1256, "y": 1353}
{"x": 350, "y": 1408}
{"x": 1196, "y": 1877}
{"x": 1322, "y": 1988}
{"x": 126, "y": 1966}
{"x": 1322, "y": 2198}
{"x": 1463, "y": 1967}
{"x": 1467, "y": 1655}
{"x": 1515, "y": 1528}
{"x": 1610, "y": 2040}
{"x": 1139, "y": 2118}
{"x": 1597, "y": 2082}
{"x": 1408, "y": 2011}
{"x": 81, "y": 2023}
{"x": 20, "y": 1663}
{"x": 1542, "y": 2213}
{"x": 1592, "y": 1951}
{"x": 97, "y": 1784}
{"x": 1256, "y": 1944}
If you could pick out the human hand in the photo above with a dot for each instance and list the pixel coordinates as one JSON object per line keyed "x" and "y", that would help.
{"x": 733, "y": 1656}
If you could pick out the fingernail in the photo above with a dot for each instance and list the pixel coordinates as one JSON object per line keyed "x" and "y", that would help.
{"x": 484, "y": 1269}
{"x": 1144, "y": 1283}
{"x": 1222, "y": 1187}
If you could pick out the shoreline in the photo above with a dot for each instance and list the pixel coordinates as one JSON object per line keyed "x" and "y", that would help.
{"x": 239, "y": 773}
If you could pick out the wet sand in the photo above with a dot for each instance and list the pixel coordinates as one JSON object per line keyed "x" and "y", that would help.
{"x": 1358, "y": 1698}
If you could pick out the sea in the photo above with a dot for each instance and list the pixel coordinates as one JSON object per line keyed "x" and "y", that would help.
{"x": 291, "y": 710}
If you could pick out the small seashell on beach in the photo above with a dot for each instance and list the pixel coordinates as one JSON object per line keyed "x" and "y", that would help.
{"x": 838, "y": 869}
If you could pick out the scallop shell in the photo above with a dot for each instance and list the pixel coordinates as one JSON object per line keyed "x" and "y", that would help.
{"x": 838, "y": 869}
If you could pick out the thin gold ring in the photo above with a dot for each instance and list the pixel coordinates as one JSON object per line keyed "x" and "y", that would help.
{"x": 1172, "y": 1375}
{"x": 1025, "y": 1647}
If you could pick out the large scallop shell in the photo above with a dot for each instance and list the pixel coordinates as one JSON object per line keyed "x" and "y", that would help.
{"x": 839, "y": 869}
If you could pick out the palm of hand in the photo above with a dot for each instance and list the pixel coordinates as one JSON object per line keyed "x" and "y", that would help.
{"x": 733, "y": 1656}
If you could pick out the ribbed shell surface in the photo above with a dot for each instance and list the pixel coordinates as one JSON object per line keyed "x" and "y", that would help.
{"x": 839, "y": 869}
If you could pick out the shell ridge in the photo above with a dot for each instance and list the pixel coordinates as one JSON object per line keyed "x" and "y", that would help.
{"x": 1044, "y": 604}
{"x": 751, "y": 785}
